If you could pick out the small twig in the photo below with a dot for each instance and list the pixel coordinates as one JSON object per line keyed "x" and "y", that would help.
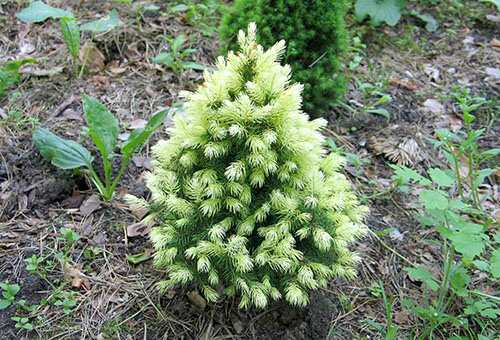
{"x": 392, "y": 250}
{"x": 58, "y": 110}
{"x": 317, "y": 60}
{"x": 353, "y": 310}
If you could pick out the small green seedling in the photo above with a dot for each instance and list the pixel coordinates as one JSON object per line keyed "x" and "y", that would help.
{"x": 371, "y": 85}
{"x": 33, "y": 263}
{"x": 452, "y": 204}
{"x": 69, "y": 235}
{"x": 103, "y": 129}
{"x": 199, "y": 15}
{"x": 9, "y": 292}
{"x": 9, "y": 74}
{"x": 38, "y": 11}
{"x": 22, "y": 322}
{"x": 174, "y": 59}
{"x": 66, "y": 304}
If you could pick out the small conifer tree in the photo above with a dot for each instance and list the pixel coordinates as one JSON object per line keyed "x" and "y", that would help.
{"x": 316, "y": 38}
{"x": 246, "y": 199}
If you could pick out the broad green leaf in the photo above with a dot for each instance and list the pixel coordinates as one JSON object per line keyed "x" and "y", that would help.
{"x": 459, "y": 279}
{"x": 103, "y": 126}
{"x": 139, "y": 136}
{"x": 406, "y": 174}
{"x": 434, "y": 199}
{"x": 495, "y": 264}
{"x": 179, "y": 8}
{"x": 381, "y": 112}
{"x": 444, "y": 231}
{"x": 481, "y": 175}
{"x": 422, "y": 274}
{"x": 14, "y": 289}
{"x": 9, "y": 74}
{"x": 481, "y": 265}
{"x": 138, "y": 258}
{"x": 65, "y": 154}
{"x": 152, "y": 8}
{"x": 165, "y": 58}
{"x": 388, "y": 11}
{"x": 71, "y": 34}
{"x": 191, "y": 65}
{"x": 456, "y": 204}
{"x": 177, "y": 43}
{"x": 468, "y": 244}
{"x": 441, "y": 178}
{"x": 105, "y": 24}
{"x": 38, "y": 11}
{"x": 431, "y": 24}
{"x": 4, "y": 303}
{"x": 489, "y": 153}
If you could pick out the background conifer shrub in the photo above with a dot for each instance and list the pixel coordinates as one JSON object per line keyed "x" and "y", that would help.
{"x": 316, "y": 38}
{"x": 246, "y": 200}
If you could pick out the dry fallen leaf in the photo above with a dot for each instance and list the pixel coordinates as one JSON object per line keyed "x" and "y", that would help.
{"x": 72, "y": 115}
{"x": 197, "y": 300}
{"x": 401, "y": 317}
{"x": 402, "y": 151}
{"x": 36, "y": 71}
{"x": 92, "y": 57}
{"x": 495, "y": 43}
{"x": 432, "y": 72}
{"x": 78, "y": 280}
{"x": 89, "y": 205}
{"x": 408, "y": 84}
{"x": 137, "y": 124}
{"x": 434, "y": 106}
{"x": 137, "y": 229}
{"x": 142, "y": 162}
{"x": 123, "y": 136}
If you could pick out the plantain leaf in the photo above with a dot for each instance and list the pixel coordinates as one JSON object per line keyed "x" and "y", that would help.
{"x": 65, "y": 154}
{"x": 139, "y": 136}
{"x": 71, "y": 34}
{"x": 431, "y": 24}
{"x": 38, "y": 11}
{"x": 388, "y": 11}
{"x": 105, "y": 24}
{"x": 103, "y": 126}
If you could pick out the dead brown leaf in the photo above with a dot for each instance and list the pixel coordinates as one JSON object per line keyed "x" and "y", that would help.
{"x": 401, "y": 318}
{"x": 142, "y": 162}
{"x": 89, "y": 205}
{"x": 407, "y": 84}
{"x": 137, "y": 124}
{"x": 434, "y": 106}
{"x": 78, "y": 280}
{"x": 36, "y": 71}
{"x": 402, "y": 151}
{"x": 197, "y": 300}
{"x": 137, "y": 229}
{"x": 91, "y": 57}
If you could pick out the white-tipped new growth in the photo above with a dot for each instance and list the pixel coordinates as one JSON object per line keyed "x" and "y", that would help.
{"x": 244, "y": 196}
